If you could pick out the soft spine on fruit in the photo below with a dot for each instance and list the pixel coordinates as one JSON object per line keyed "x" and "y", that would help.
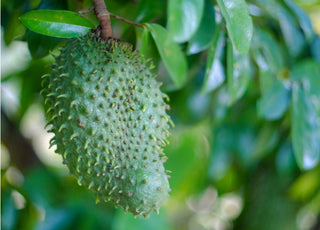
{"x": 109, "y": 119}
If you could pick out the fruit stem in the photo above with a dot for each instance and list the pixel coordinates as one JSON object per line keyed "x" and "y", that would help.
{"x": 103, "y": 16}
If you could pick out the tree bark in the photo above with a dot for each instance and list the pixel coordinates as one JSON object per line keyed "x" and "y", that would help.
{"x": 103, "y": 16}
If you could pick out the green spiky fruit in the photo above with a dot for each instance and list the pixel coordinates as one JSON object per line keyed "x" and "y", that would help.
{"x": 110, "y": 123}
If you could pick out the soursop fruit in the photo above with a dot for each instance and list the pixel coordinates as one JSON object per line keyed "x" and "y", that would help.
{"x": 109, "y": 119}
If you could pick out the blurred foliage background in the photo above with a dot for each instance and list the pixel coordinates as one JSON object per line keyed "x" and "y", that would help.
{"x": 231, "y": 152}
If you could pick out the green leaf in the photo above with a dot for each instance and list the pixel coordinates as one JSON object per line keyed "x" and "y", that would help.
{"x": 145, "y": 40}
{"x": 56, "y": 23}
{"x": 149, "y": 10}
{"x": 238, "y": 73}
{"x": 307, "y": 72}
{"x": 315, "y": 49}
{"x": 239, "y": 23}
{"x": 263, "y": 47}
{"x": 205, "y": 33}
{"x": 274, "y": 101}
{"x": 184, "y": 17}
{"x": 171, "y": 54}
{"x": 121, "y": 221}
{"x": 305, "y": 129}
{"x": 303, "y": 19}
{"x": 40, "y": 45}
{"x": 293, "y": 37}
{"x": 215, "y": 73}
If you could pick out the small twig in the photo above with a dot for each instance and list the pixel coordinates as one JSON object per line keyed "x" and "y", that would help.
{"x": 125, "y": 20}
{"x": 86, "y": 11}
{"x": 103, "y": 16}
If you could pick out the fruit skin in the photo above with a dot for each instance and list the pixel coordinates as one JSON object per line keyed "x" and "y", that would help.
{"x": 110, "y": 123}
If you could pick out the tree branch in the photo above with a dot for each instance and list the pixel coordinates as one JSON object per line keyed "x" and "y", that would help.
{"x": 103, "y": 16}
{"x": 21, "y": 151}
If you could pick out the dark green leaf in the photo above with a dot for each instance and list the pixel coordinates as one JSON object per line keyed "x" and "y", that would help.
{"x": 239, "y": 23}
{"x": 170, "y": 53}
{"x": 40, "y": 45}
{"x": 149, "y": 10}
{"x": 285, "y": 162}
{"x": 56, "y": 23}
{"x": 184, "y": 18}
{"x": 303, "y": 19}
{"x": 14, "y": 29}
{"x": 274, "y": 101}
{"x": 315, "y": 49}
{"x": 205, "y": 33}
{"x": 239, "y": 73}
{"x": 10, "y": 215}
{"x": 215, "y": 73}
{"x": 305, "y": 129}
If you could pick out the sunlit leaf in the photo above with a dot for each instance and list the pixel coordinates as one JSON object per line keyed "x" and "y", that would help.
{"x": 239, "y": 23}
{"x": 305, "y": 129}
{"x": 184, "y": 18}
{"x": 239, "y": 73}
{"x": 170, "y": 53}
{"x": 56, "y": 23}
{"x": 205, "y": 33}
{"x": 305, "y": 186}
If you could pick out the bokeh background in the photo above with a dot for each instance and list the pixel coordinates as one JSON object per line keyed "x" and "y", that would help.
{"x": 231, "y": 167}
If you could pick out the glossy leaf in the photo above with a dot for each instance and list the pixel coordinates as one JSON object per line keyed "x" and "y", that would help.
{"x": 205, "y": 33}
{"x": 184, "y": 17}
{"x": 171, "y": 54}
{"x": 303, "y": 18}
{"x": 274, "y": 101}
{"x": 305, "y": 129}
{"x": 239, "y": 23}
{"x": 215, "y": 73}
{"x": 238, "y": 73}
{"x": 56, "y": 23}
